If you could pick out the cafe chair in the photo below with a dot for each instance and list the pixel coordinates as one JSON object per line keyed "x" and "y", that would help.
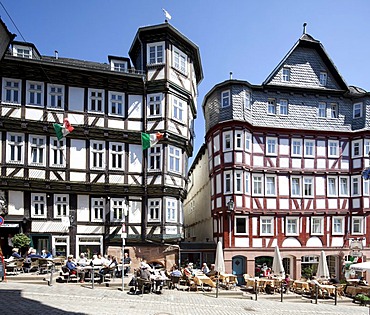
{"x": 144, "y": 286}
{"x": 68, "y": 275}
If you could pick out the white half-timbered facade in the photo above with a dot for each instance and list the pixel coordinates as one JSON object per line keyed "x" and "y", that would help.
{"x": 289, "y": 153}
{"x": 73, "y": 195}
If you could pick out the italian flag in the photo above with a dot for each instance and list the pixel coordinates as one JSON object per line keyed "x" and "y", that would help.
{"x": 63, "y": 130}
{"x": 149, "y": 140}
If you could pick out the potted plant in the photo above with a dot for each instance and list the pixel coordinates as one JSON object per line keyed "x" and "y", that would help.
{"x": 22, "y": 242}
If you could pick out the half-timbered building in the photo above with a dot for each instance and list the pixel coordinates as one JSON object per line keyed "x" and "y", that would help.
{"x": 79, "y": 193}
{"x": 289, "y": 154}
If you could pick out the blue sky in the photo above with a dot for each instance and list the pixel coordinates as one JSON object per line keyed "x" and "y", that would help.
{"x": 246, "y": 37}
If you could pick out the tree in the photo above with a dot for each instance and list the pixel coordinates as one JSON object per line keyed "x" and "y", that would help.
{"x": 21, "y": 241}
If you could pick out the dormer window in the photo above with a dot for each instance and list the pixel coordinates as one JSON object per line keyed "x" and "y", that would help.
{"x": 119, "y": 66}
{"x": 286, "y": 74}
{"x": 22, "y": 51}
{"x": 323, "y": 78}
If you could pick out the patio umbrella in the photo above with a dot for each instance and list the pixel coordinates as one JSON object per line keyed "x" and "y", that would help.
{"x": 323, "y": 269}
{"x": 277, "y": 264}
{"x": 365, "y": 266}
{"x": 219, "y": 263}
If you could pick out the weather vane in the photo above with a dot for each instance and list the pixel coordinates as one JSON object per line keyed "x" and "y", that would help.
{"x": 167, "y": 15}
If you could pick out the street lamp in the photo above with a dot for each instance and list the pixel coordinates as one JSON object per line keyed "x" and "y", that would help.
{"x": 230, "y": 205}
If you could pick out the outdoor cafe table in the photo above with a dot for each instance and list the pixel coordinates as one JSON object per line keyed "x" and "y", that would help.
{"x": 203, "y": 279}
{"x": 353, "y": 290}
{"x": 300, "y": 285}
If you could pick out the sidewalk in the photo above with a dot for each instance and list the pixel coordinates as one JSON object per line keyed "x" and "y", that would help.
{"x": 36, "y": 297}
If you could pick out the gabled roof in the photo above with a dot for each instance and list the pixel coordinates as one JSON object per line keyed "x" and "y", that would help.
{"x": 307, "y": 41}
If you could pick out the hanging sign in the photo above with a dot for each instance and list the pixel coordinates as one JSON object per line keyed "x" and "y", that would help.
{"x": 1, "y": 220}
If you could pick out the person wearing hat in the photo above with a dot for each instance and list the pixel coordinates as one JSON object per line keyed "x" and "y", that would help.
{"x": 15, "y": 253}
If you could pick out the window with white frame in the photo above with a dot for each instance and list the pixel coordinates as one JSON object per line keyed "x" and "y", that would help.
{"x": 61, "y": 205}
{"x": 57, "y": 152}
{"x": 270, "y": 183}
{"x": 271, "y": 106}
{"x": 238, "y": 182}
{"x": 35, "y": 93}
{"x": 15, "y": 148}
{"x": 365, "y": 188}
{"x": 155, "y": 158}
{"x": 247, "y": 100}
{"x": 97, "y": 154}
{"x": 332, "y": 186}
{"x": 154, "y": 210}
{"x": 266, "y": 226}
{"x": 271, "y": 146}
{"x": 156, "y": 53}
{"x": 22, "y": 51}
{"x": 116, "y": 155}
{"x": 37, "y": 148}
{"x": 309, "y": 148}
{"x": 11, "y": 91}
{"x": 154, "y": 105}
{"x": 297, "y": 147}
{"x": 357, "y": 110}
{"x": 333, "y": 148}
{"x": 238, "y": 140}
{"x": 356, "y": 148}
{"x": 308, "y": 186}
{"x": 89, "y": 244}
{"x": 323, "y": 78}
{"x": 116, "y": 103}
{"x": 96, "y": 100}
{"x": 171, "y": 210}
{"x": 291, "y": 226}
{"x": 117, "y": 209}
{"x": 228, "y": 141}
{"x": 286, "y": 74}
{"x": 38, "y": 205}
{"x": 296, "y": 187}
{"x": 366, "y": 147}
{"x": 333, "y": 108}
{"x": 227, "y": 182}
{"x": 55, "y": 96}
{"x": 241, "y": 227}
{"x": 257, "y": 184}
{"x": 247, "y": 182}
{"x": 283, "y": 107}
{"x": 322, "y": 109}
{"x": 357, "y": 225}
{"x": 179, "y": 60}
{"x": 317, "y": 226}
{"x": 225, "y": 98}
{"x": 175, "y": 159}
{"x": 118, "y": 65}
{"x": 356, "y": 186}
{"x": 343, "y": 188}
{"x": 248, "y": 141}
{"x": 97, "y": 209}
{"x": 338, "y": 225}
{"x": 178, "y": 109}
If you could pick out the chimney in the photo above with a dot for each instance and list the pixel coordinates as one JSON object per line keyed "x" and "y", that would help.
{"x": 304, "y": 28}
{"x": 56, "y": 54}
{"x": 231, "y": 75}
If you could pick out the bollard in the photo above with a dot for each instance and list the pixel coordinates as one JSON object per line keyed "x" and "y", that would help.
{"x": 335, "y": 296}
{"x": 92, "y": 274}
{"x": 51, "y": 275}
{"x": 255, "y": 289}
{"x": 316, "y": 293}
{"x": 281, "y": 291}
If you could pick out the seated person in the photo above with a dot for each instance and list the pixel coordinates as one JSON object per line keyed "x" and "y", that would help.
{"x": 205, "y": 268}
{"x": 188, "y": 271}
{"x": 46, "y": 254}
{"x": 286, "y": 280}
{"x": 144, "y": 273}
{"x": 111, "y": 264}
{"x": 212, "y": 272}
{"x": 15, "y": 253}
{"x": 72, "y": 267}
{"x": 82, "y": 261}
{"x": 175, "y": 272}
{"x": 362, "y": 281}
{"x": 333, "y": 280}
{"x": 33, "y": 254}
